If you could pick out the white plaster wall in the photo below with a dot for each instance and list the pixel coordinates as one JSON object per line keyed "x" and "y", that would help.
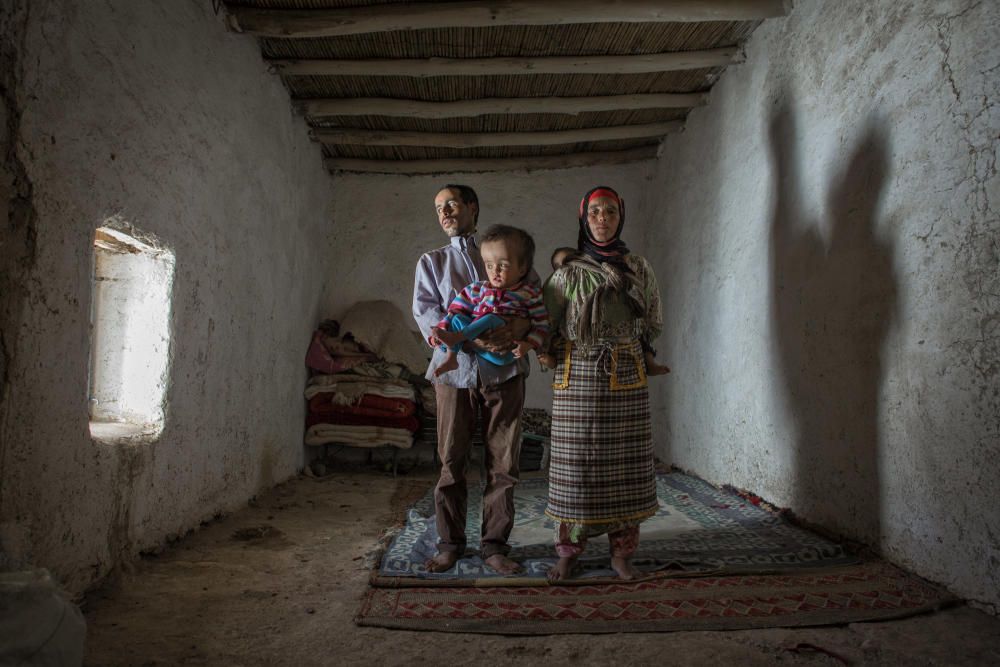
{"x": 384, "y": 223}
{"x": 153, "y": 112}
{"x": 828, "y": 240}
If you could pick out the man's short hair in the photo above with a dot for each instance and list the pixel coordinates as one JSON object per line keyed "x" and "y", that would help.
{"x": 467, "y": 194}
{"x": 508, "y": 233}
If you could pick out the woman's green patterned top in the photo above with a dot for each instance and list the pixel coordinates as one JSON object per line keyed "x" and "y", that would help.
{"x": 566, "y": 291}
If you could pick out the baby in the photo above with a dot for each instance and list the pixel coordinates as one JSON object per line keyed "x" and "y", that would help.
{"x": 481, "y": 306}
{"x": 559, "y": 259}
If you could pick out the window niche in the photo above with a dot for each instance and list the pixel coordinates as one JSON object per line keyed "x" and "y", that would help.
{"x": 130, "y": 334}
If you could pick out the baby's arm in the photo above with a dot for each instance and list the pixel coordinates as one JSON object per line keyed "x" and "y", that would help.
{"x": 518, "y": 328}
{"x": 539, "y": 323}
{"x": 539, "y": 318}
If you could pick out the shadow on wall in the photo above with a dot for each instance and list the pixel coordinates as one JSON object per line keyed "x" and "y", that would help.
{"x": 833, "y": 301}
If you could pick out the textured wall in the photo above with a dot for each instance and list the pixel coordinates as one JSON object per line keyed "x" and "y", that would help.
{"x": 384, "y": 223}
{"x": 154, "y": 113}
{"x": 828, "y": 238}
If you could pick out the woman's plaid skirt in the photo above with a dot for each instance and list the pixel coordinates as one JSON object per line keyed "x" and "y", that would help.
{"x": 601, "y": 468}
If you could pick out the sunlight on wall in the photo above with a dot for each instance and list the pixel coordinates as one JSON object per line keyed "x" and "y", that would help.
{"x": 130, "y": 335}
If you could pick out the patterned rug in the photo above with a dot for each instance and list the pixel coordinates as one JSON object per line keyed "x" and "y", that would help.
{"x": 866, "y": 591}
{"x": 698, "y": 530}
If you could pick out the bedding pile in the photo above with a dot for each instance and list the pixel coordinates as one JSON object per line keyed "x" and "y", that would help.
{"x": 366, "y": 379}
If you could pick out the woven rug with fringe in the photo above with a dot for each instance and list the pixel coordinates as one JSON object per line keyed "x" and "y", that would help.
{"x": 698, "y": 530}
{"x": 867, "y": 591}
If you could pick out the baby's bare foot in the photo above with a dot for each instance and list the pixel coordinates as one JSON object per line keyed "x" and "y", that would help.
{"x": 450, "y": 363}
{"x": 656, "y": 369}
{"x": 449, "y": 337}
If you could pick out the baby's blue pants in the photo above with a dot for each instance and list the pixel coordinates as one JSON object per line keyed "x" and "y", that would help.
{"x": 474, "y": 328}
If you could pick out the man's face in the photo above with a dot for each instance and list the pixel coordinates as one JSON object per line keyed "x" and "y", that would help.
{"x": 456, "y": 217}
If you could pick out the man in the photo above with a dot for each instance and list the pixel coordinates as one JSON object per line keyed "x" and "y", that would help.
{"x": 498, "y": 391}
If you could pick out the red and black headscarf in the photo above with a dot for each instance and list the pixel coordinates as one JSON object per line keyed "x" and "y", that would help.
{"x": 612, "y": 251}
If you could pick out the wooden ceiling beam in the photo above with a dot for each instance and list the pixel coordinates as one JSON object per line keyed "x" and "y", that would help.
{"x": 484, "y": 139}
{"x": 429, "y": 67}
{"x": 443, "y": 166}
{"x": 377, "y": 106}
{"x": 306, "y": 23}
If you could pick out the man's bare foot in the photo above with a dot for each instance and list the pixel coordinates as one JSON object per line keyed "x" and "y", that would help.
{"x": 624, "y": 568}
{"x": 561, "y": 570}
{"x": 450, "y": 363}
{"x": 503, "y": 565}
{"x": 442, "y": 560}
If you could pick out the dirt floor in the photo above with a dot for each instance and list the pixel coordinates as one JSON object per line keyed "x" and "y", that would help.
{"x": 279, "y": 583}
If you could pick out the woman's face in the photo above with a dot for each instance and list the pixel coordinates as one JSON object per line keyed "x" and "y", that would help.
{"x": 603, "y": 218}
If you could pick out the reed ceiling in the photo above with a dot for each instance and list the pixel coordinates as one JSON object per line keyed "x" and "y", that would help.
{"x": 384, "y": 90}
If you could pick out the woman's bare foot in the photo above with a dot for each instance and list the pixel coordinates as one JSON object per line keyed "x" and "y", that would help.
{"x": 624, "y": 568}
{"x": 502, "y": 564}
{"x": 561, "y": 570}
{"x": 450, "y": 363}
{"x": 442, "y": 560}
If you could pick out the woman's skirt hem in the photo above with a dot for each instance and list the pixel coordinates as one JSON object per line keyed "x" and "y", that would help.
{"x": 631, "y": 519}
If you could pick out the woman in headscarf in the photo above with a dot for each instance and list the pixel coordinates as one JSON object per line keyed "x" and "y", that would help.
{"x": 605, "y": 306}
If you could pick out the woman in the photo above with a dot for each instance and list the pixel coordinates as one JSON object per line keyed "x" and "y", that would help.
{"x": 605, "y": 306}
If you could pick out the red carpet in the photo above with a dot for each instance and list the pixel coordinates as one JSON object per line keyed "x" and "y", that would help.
{"x": 867, "y": 591}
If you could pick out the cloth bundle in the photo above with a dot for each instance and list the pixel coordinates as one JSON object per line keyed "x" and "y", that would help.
{"x": 356, "y": 397}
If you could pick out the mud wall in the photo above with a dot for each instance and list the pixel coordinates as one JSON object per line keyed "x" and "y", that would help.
{"x": 828, "y": 248}
{"x": 154, "y": 114}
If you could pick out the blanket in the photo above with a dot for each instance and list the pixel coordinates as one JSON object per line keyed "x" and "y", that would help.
{"x": 348, "y": 389}
{"x": 368, "y": 404}
{"x": 409, "y": 423}
{"x": 358, "y": 436}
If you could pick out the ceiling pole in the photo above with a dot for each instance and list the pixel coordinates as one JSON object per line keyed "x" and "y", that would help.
{"x": 598, "y": 158}
{"x": 428, "y": 67}
{"x": 307, "y": 23}
{"x": 374, "y": 106}
{"x": 484, "y": 139}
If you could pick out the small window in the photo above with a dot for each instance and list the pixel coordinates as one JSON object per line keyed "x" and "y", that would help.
{"x": 130, "y": 334}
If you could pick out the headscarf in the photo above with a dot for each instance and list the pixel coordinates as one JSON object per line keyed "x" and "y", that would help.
{"x": 607, "y": 260}
{"x": 612, "y": 251}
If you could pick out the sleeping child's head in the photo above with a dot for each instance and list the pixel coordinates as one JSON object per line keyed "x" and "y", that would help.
{"x": 563, "y": 255}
